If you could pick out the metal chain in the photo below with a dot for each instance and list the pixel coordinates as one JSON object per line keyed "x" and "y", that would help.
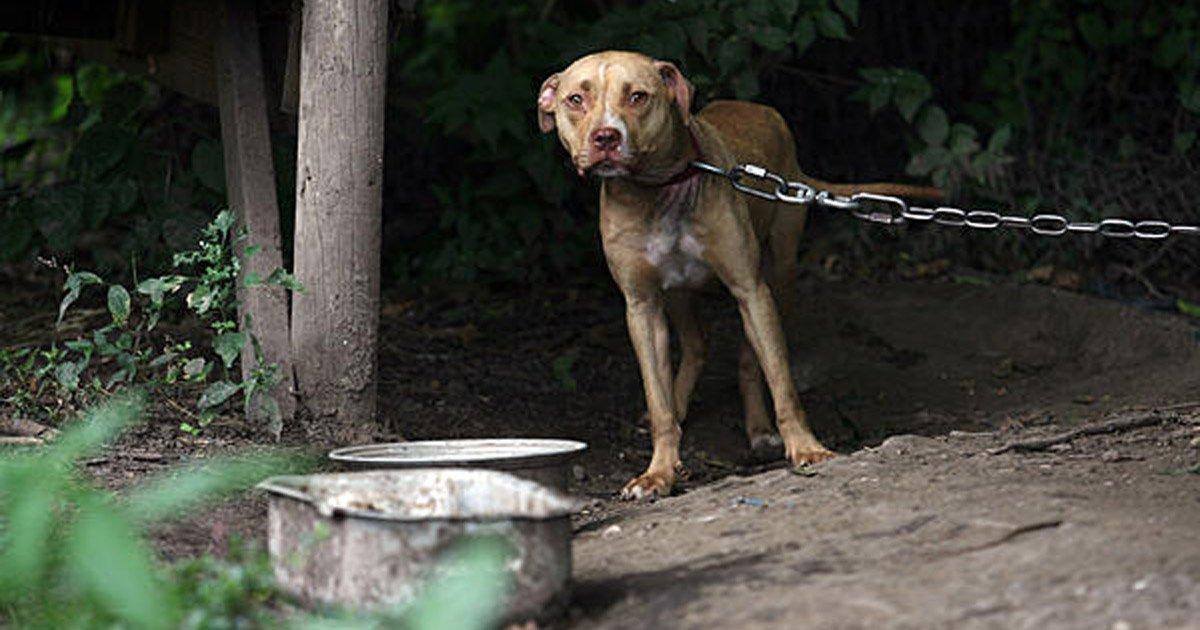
{"x": 898, "y": 211}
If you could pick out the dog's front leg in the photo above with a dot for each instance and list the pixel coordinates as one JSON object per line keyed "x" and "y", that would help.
{"x": 648, "y": 331}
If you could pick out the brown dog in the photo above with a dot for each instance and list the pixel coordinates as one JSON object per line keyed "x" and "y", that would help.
{"x": 667, "y": 228}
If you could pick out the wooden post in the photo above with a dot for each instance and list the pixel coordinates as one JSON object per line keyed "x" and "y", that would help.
{"x": 339, "y": 176}
{"x": 250, "y": 184}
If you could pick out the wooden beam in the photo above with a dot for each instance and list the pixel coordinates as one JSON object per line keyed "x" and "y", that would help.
{"x": 339, "y": 177}
{"x": 250, "y": 183}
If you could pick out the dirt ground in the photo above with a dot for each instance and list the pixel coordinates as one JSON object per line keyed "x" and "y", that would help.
{"x": 915, "y": 526}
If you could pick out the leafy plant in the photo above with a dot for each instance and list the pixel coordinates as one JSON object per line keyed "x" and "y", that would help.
{"x": 72, "y": 554}
{"x": 205, "y": 286}
{"x": 949, "y": 153}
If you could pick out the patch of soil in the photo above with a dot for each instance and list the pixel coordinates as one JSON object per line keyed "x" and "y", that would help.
{"x": 924, "y": 530}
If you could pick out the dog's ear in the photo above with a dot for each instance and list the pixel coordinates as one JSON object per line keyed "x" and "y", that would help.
{"x": 679, "y": 86}
{"x": 547, "y": 97}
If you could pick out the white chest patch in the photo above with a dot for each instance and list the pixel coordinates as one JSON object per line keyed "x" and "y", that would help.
{"x": 671, "y": 247}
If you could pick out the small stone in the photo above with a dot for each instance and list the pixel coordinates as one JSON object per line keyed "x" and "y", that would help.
{"x": 1121, "y": 624}
{"x": 579, "y": 473}
{"x": 1110, "y": 456}
{"x": 1195, "y": 443}
{"x": 1060, "y": 448}
{"x": 612, "y": 531}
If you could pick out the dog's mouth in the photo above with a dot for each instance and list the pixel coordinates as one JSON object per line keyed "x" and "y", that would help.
{"x": 607, "y": 168}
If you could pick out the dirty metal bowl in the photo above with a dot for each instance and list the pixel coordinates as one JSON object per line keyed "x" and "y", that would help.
{"x": 540, "y": 460}
{"x": 369, "y": 539}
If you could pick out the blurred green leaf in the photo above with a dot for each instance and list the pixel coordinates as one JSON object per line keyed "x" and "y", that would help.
{"x": 467, "y": 590}
{"x": 110, "y": 564}
{"x": 932, "y": 125}
{"x": 179, "y": 491}
{"x": 849, "y": 8}
{"x": 831, "y": 25}
{"x": 1188, "y": 308}
{"x": 97, "y": 427}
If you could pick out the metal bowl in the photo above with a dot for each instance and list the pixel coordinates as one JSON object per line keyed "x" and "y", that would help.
{"x": 541, "y": 460}
{"x": 370, "y": 539}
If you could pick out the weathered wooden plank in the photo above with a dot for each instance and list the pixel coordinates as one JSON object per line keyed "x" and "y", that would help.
{"x": 250, "y": 183}
{"x": 339, "y": 176}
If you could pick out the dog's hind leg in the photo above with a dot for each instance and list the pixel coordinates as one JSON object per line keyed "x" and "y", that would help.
{"x": 681, "y": 309}
{"x": 765, "y": 443}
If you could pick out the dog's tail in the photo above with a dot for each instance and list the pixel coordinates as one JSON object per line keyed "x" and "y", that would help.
{"x": 928, "y": 193}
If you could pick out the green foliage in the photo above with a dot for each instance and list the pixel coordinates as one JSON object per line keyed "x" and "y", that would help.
{"x": 948, "y": 153}
{"x": 130, "y": 348}
{"x": 73, "y": 555}
{"x": 79, "y": 154}
{"x": 477, "y": 92}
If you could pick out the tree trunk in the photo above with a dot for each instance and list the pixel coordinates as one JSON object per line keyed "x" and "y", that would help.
{"x": 339, "y": 176}
{"x": 250, "y": 183}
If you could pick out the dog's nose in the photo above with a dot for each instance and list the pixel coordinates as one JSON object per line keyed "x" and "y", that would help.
{"x": 606, "y": 139}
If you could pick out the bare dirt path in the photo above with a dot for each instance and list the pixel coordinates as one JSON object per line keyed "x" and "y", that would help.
{"x": 915, "y": 526}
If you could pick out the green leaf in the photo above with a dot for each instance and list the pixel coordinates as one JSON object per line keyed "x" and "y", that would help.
{"x": 101, "y": 148}
{"x": 99, "y": 426}
{"x": 1188, "y": 308}
{"x": 30, "y": 516}
{"x": 770, "y": 37}
{"x": 999, "y": 140}
{"x": 110, "y": 564}
{"x": 733, "y": 55}
{"x": 911, "y": 93}
{"x": 201, "y": 299}
{"x": 963, "y": 141}
{"x": 217, "y": 393}
{"x": 74, "y": 285}
{"x": 209, "y": 165}
{"x": 118, "y": 304}
{"x": 282, "y": 278}
{"x": 831, "y": 25}
{"x": 177, "y": 492}
{"x": 466, "y": 590}
{"x": 849, "y": 8}
{"x": 224, "y": 221}
{"x": 933, "y": 126}
{"x": 805, "y": 34}
{"x": 67, "y": 375}
{"x": 253, "y": 279}
{"x": 228, "y": 346}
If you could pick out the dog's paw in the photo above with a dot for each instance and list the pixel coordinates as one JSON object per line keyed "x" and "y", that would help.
{"x": 648, "y": 486}
{"x": 810, "y": 455}
{"x": 766, "y": 447}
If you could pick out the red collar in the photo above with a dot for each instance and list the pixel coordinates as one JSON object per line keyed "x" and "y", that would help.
{"x": 691, "y": 170}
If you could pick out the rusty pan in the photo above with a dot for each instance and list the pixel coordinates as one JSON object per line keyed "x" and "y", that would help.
{"x": 369, "y": 539}
{"x": 542, "y": 460}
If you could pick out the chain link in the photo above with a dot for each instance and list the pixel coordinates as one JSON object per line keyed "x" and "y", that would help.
{"x": 758, "y": 182}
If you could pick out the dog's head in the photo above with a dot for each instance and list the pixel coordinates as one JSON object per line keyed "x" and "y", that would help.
{"x": 615, "y": 112}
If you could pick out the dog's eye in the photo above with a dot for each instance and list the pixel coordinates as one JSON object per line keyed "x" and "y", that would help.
{"x": 637, "y": 97}
{"x": 575, "y": 100}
